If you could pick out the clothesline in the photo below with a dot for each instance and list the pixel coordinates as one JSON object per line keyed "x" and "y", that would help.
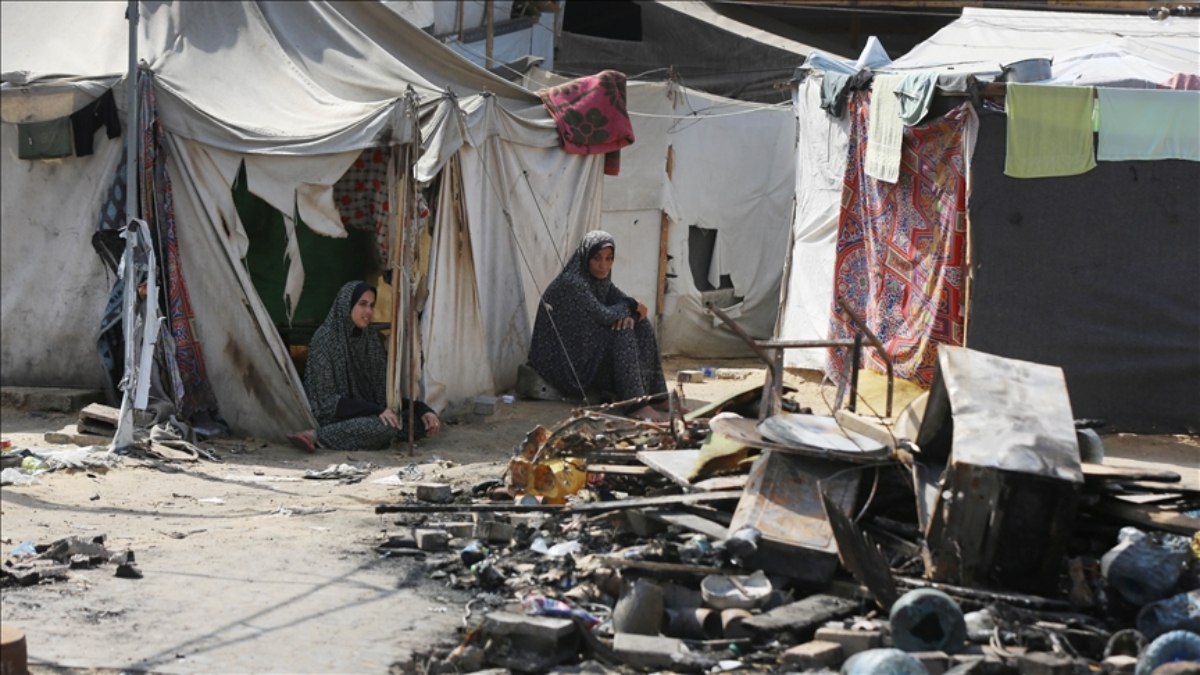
{"x": 696, "y": 115}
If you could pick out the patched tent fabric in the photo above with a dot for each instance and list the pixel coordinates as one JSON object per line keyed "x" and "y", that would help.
{"x": 280, "y": 89}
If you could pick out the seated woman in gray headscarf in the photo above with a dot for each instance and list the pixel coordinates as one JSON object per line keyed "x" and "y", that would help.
{"x": 345, "y": 379}
{"x": 590, "y": 335}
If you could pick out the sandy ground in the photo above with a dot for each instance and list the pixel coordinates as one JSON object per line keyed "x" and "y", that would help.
{"x": 249, "y": 567}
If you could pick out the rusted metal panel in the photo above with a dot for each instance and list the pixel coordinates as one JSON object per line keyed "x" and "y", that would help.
{"x": 782, "y": 500}
{"x": 861, "y": 557}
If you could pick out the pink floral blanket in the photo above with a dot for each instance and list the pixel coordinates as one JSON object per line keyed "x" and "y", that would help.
{"x": 591, "y": 116}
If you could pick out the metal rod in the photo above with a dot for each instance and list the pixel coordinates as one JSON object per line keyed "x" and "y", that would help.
{"x": 855, "y": 364}
{"x": 800, "y": 344}
{"x": 887, "y": 360}
{"x": 737, "y": 330}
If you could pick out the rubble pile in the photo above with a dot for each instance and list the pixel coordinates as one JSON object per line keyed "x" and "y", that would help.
{"x": 30, "y": 564}
{"x": 967, "y": 534}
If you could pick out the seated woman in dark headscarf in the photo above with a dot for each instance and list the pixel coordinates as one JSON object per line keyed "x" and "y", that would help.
{"x": 346, "y": 381}
{"x": 589, "y": 334}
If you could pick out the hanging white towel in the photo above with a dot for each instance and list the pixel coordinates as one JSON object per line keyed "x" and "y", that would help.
{"x": 885, "y": 131}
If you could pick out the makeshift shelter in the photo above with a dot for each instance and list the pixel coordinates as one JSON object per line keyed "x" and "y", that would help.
{"x": 288, "y": 95}
{"x": 1095, "y": 272}
{"x": 700, "y": 212}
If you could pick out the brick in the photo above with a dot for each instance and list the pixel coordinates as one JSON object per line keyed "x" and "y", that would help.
{"x": 647, "y": 651}
{"x": 935, "y": 662}
{"x": 813, "y": 655}
{"x": 689, "y": 376}
{"x": 438, "y": 493}
{"x": 431, "y": 540}
{"x": 852, "y": 641}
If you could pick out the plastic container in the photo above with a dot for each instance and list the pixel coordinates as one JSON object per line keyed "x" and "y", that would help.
{"x": 927, "y": 620}
{"x": 1178, "y": 645}
{"x": 1178, "y": 612}
{"x": 1143, "y": 570}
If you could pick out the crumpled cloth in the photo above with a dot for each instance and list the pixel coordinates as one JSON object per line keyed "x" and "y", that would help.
{"x": 348, "y": 473}
{"x": 591, "y": 116}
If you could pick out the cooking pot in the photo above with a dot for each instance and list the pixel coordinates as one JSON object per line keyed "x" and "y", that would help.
{"x": 1027, "y": 70}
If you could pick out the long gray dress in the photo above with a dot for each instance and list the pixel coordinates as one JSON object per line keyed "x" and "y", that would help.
{"x": 346, "y": 382}
{"x": 574, "y": 347}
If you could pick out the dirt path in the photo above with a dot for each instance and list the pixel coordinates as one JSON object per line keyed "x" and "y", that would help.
{"x": 249, "y": 567}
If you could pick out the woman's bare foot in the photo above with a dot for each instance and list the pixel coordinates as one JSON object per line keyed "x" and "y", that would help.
{"x": 648, "y": 414}
{"x": 305, "y": 440}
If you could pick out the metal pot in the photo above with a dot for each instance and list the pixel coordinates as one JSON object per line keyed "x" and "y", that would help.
{"x": 1027, "y": 70}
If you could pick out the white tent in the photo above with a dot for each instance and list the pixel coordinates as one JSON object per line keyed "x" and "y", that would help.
{"x": 719, "y": 165}
{"x": 1095, "y": 49}
{"x": 295, "y": 90}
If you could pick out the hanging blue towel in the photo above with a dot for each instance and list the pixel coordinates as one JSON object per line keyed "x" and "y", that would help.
{"x": 1147, "y": 124}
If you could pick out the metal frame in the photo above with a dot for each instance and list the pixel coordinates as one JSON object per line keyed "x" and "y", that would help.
{"x": 771, "y": 353}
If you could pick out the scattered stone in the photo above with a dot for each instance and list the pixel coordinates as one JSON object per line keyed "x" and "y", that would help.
{"x": 494, "y": 531}
{"x": 128, "y": 571}
{"x": 802, "y": 618}
{"x": 851, "y": 641}
{"x": 647, "y": 651}
{"x": 813, "y": 655}
{"x": 431, "y": 540}
{"x": 437, "y": 493}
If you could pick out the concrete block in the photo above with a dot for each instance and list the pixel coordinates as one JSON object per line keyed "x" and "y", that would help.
{"x": 531, "y": 520}
{"x": 688, "y": 376}
{"x": 60, "y": 399}
{"x": 528, "y": 643}
{"x": 494, "y": 531}
{"x": 462, "y": 530}
{"x": 813, "y": 655}
{"x": 431, "y": 540}
{"x": 525, "y": 625}
{"x": 935, "y": 662}
{"x": 438, "y": 493}
{"x": 803, "y": 617}
{"x": 852, "y": 641}
{"x": 1045, "y": 663}
{"x": 1119, "y": 664}
{"x": 647, "y": 651}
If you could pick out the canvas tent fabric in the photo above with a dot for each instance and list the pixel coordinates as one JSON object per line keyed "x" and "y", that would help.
{"x": 711, "y": 52}
{"x": 1081, "y": 45}
{"x": 725, "y": 167}
{"x": 281, "y": 89}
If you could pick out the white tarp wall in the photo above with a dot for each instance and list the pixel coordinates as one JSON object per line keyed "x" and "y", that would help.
{"x": 822, "y": 142}
{"x": 732, "y": 171}
{"x": 279, "y": 86}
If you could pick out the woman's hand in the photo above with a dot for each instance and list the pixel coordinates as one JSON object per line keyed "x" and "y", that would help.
{"x": 432, "y": 424}
{"x": 642, "y": 311}
{"x": 623, "y": 324}
{"x": 389, "y": 418}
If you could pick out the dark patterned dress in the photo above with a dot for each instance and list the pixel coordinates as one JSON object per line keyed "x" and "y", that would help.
{"x": 346, "y": 382}
{"x": 574, "y": 346}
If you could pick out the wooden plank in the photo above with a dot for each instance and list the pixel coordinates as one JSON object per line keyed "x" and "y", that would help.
{"x": 71, "y": 437}
{"x": 676, "y": 465}
{"x": 1107, "y": 472}
{"x": 669, "y": 568}
{"x": 100, "y": 414}
{"x": 621, "y": 469}
{"x": 1149, "y": 516}
{"x": 590, "y": 507}
{"x": 689, "y": 521}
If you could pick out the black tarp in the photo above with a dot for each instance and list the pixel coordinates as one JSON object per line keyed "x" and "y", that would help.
{"x": 1098, "y": 274}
